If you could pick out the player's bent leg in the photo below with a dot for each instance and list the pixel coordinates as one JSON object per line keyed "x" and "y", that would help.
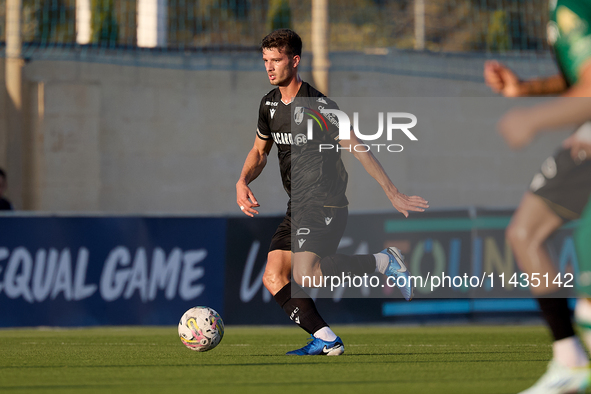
{"x": 530, "y": 227}
{"x": 277, "y": 271}
{"x": 389, "y": 262}
{"x": 583, "y": 319}
{"x": 299, "y": 306}
{"x": 583, "y": 246}
{"x": 582, "y": 237}
{"x": 323, "y": 341}
{"x": 306, "y": 269}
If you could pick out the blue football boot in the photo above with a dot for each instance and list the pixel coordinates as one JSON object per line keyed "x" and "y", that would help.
{"x": 318, "y": 347}
{"x": 396, "y": 269}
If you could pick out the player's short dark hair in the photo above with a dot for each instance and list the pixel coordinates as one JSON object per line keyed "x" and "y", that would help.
{"x": 283, "y": 39}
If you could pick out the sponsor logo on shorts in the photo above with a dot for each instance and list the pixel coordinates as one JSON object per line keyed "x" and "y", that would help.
{"x": 327, "y": 221}
{"x": 301, "y": 242}
{"x": 303, "y": 231}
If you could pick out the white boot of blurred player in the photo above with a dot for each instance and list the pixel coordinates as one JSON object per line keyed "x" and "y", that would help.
{"x": 568, "y": 371}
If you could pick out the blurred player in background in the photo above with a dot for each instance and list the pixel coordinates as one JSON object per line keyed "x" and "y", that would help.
{"x": 580, "y": 148}
{"x": 561, "y": 190}
{"x": 5, "y": 205}
{"x": 319, "y": 189}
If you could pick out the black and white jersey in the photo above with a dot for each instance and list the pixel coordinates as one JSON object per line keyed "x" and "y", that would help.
{"x": 309, "y": 176}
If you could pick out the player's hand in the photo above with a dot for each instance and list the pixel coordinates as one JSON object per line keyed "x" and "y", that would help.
{"x": 580, "y": 149}
{"x": 246, "y": 200}
{"x": 517, "y": 128}
{"x": 404, "y": 203}
{"x": 501, "y": 79}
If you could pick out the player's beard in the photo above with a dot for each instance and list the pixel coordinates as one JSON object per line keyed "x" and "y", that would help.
{"x": 287, "y": 77}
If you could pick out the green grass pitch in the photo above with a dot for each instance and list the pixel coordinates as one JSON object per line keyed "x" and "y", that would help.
{"x": 377, "y": 359}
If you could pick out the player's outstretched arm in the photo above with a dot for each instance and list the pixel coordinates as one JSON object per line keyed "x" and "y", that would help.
{"x": 253, "y": 166}
{"x": 503, "y": 80}
{"x": 400, "y": 201}
{"x": 520, "y": 125}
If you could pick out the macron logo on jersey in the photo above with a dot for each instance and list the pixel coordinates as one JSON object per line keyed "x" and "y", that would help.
{"x": 272, "y": 112}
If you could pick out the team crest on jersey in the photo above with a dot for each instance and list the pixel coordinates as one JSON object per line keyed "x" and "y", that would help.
{"x": 298, "y": 115}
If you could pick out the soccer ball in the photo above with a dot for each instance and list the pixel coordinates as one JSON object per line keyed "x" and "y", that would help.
{"x": 201, "y": 328}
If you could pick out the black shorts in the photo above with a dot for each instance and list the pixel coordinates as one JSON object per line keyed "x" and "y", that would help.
{"x": 317, "y": 229}
{"x": 563, "y": 184}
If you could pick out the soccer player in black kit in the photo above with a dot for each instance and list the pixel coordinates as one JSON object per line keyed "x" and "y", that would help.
{"x": 317, "y": 211}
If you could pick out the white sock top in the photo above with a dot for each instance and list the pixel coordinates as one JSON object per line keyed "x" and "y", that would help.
{"x": 570, "y": 353}
{"x": 382, "y": 261}
{"x": 326, "y": 334}
{"x": 583, "y": 310}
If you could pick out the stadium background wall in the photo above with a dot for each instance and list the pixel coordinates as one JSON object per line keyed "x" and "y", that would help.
{"x": 78, "y": 271}
{"x": 170, "y": 134}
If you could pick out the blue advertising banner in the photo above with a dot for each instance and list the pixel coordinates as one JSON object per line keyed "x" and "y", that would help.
{"x": 76, "y": 271}
{"x": 452, "y": 243}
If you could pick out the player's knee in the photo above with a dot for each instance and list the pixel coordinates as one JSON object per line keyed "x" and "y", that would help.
{"x": 303, "y": 275}
{"x": 274, "y": 281}
{"x": 518, "y": 235}
{"x": 299, "y": 275}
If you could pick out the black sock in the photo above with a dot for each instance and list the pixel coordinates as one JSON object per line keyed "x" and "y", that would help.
{"x": 300, "y": 308}
{"x": 357, "y": 265}
{"x": 556, "y": 313}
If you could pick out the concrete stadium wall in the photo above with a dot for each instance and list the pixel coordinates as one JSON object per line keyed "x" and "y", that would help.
{"x": 131, "y": 139}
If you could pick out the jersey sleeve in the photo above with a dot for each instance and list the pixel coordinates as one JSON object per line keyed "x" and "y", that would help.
{"x": 263, "y": 129}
